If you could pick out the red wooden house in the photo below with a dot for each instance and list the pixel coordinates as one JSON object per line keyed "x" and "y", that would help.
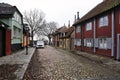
{"x": 100, "y": 30}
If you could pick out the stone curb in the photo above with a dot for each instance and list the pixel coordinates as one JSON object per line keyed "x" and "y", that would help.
{"x": 21, "y": 71}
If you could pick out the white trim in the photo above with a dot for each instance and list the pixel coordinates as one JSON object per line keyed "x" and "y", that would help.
{"x": 118, "y": 47}
{"x": 112, "y": 33}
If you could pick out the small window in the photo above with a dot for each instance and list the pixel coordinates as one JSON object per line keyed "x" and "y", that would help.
{"x": 15, "y": 31}
{"x": 78, "y": 42}
{"x": 19, "y": 32}
{"x": 103, "y": 43}
{"x": 103, "y": 21}
{"x": 77, "y": 29}
{"x": 89, "y": 42}
{"x": 89, "y": 26}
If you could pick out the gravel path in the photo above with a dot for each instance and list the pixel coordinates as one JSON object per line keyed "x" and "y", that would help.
{"x": 56, "y": 64}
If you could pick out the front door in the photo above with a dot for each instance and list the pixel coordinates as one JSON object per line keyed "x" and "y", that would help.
{"x": 2, "y": 42}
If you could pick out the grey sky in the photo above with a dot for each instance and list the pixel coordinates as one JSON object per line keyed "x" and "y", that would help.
{"x": 56, "y": 10}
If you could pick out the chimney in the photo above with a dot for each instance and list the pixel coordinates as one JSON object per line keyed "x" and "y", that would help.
{"x": 69, "y": 23}
{"x": 64, "y": 24}
{"x": 77, "y": 15}
{"x": 75, "y": 19}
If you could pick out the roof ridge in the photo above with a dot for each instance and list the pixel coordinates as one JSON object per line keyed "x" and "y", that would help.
{"x": 5, "y": 5}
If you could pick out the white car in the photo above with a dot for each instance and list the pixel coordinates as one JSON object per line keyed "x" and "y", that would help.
{"x": 40, "y": 44}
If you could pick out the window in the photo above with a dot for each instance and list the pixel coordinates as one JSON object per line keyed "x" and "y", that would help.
{"x": 77, "y": 29}
{"x": 89, "y": 42}
{"x": 19, "y": 32}
{"x": 103, "y": 43}
{"x": 89, "y": 26}
{"x": 103, "y": 21}
{"x": 15, "y": 31}
{"x": 77, "y": 42}
{"x": 63, "y": 34}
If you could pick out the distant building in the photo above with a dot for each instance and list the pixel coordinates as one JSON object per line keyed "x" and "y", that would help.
{"x": 64, "y": 38}
{"x": 11, "y": 16}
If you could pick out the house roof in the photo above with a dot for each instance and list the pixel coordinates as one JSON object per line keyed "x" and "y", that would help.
{"x": 100, "y": 8}
{"x": 69, "y": 31}
{"x": 1, "y": 23}
{"x": 59, "y": 30}
{"x": 7, "y": 10}
{"x": 62, "y": 29}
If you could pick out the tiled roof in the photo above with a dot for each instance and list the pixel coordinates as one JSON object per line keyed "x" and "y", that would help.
{"x": 62, "y": 29}
{"x": 100, "y": 8}
{"x": 7, "y": 9}
{"x": 59, "y": 30}
{"x": 68, "y": 31}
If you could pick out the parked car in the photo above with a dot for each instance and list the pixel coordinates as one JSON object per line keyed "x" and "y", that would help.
{"x": 40, "y": 44}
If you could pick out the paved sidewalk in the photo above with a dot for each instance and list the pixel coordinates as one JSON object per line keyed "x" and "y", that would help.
{"x": 107, "y": 62}
{"x": 20, "y": 59}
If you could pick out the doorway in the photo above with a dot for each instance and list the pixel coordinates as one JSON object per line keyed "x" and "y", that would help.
{"x": 2, "y": 41}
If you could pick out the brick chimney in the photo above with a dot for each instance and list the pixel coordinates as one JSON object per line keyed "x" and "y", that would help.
{"x": 77, "y": 15}
{"x": 68, "y": 23}
{"x": 75, "y": 18}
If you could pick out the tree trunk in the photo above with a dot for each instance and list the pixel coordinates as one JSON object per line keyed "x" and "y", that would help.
{"x": 32, "y": 39}
{"x": 49, "y": 40}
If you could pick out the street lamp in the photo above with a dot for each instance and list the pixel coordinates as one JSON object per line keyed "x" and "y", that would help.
{"x": 27, "y": 32}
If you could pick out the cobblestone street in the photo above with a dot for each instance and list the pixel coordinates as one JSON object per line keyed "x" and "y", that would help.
{"x": 56, "y": 64}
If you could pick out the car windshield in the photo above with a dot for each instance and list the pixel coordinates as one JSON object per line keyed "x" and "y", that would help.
{"x": 40, "y": 43}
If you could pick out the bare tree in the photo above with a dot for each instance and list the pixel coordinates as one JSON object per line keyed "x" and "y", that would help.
{"x": 35, "y": 19}
{"x": 48, "y": 30}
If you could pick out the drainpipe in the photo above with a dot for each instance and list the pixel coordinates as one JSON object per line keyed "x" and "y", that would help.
{"x": 74, "y": 37}
{"x": 112, "y": 34}
{"x": 94, "y": 35}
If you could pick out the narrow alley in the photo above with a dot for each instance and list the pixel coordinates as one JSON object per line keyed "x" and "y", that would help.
{"x": 56, "y": 64}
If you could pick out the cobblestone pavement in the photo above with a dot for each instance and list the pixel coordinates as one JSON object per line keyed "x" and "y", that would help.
{"x": 57, "y": 64}
{"x": 7, "y": 71}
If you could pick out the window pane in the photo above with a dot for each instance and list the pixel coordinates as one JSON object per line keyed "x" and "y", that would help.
{"x": 103, "y": 21}
{"x": 106, "y": 21}
{"x": 77, "y": 29}
{"x": 89, "y": 26}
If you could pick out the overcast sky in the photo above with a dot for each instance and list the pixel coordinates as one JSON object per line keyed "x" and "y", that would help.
{"x": 59, "y": 11}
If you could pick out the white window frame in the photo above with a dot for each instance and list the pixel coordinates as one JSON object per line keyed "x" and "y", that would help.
{"x": 89, "y": 26}
{"x": 103, "y": 21}
{"x": 103, "y": 43}
{"x": 89, "y": 42}
{"x": 78, "y": 29}
{"x": 77, "y": 42}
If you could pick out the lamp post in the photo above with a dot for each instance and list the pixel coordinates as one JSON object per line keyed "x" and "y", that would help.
{"x": 27, "y": 32}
